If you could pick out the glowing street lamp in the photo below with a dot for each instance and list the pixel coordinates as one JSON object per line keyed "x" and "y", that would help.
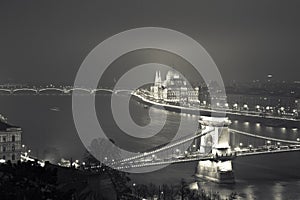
{"x": 278, "y": 143}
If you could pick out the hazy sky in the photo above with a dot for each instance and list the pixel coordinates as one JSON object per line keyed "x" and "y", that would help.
{"x": 46, "y": 41}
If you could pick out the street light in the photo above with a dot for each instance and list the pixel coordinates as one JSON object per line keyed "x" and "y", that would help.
{"x": 241, "y": 144}
{"x": 133, "y": 191}
{"x": 278, "y": 143}
{"x": 294, "y": 110}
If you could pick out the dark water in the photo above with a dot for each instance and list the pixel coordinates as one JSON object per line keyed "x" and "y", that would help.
{"x": 48, "y": 125}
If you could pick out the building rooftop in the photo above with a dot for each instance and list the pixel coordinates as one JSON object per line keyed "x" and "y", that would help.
{"x": 4, "y": 126}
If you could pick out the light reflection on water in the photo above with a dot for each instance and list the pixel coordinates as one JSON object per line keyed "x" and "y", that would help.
{"x": 277, "y": 190}
{"x": 253, "y": 191}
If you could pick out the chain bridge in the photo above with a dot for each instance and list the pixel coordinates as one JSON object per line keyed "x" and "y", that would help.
{"x": 210, "y": 146}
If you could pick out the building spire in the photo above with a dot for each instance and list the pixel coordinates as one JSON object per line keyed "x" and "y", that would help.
{"x": 156, "y": 78}
{"x": 159, "y": 79}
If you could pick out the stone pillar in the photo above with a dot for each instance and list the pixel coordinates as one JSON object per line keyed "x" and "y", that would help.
{"x": 216, "y": 143}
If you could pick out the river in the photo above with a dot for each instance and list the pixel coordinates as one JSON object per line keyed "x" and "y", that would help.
{"x": 49, "y": 131}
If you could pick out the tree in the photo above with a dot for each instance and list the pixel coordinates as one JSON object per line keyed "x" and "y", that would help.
{"x": 101, "y": 152}
{"x": 152, "y": 190}
{"x": 183, "y": 189}
{"x": 104, "y": 150}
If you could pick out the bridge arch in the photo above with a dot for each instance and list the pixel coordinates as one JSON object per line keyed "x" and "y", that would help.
{"x": 24, "y": 90}
{"x": 51, "y": 89}
{"x": 208, "y": 142}
{"x": 123, "y": 91}
{"x": 80, "y": 89}
{"x": 102, "y": 90}
{"x": 5, "y": 90}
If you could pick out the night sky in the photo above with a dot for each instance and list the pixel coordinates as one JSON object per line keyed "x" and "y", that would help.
{"x": 46, "y": 41}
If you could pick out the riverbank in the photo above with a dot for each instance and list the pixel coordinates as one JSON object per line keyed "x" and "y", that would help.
{"x": 272, "y": 121}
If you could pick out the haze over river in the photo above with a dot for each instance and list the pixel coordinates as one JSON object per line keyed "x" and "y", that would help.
{"x": 48, "y": 126}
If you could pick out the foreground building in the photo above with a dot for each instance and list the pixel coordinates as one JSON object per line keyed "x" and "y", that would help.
{"x": 10, "y": 142}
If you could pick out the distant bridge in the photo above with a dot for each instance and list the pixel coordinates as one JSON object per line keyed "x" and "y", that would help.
{"x": 59, "y": 91}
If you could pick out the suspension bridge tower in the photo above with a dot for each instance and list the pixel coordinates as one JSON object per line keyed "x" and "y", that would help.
{"x": 216, "y": 143}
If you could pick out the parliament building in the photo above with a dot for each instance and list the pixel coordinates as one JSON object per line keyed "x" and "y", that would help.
{"x": 174, "y": 89}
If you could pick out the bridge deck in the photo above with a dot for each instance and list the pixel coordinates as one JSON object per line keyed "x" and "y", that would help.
{"x": 234, "y": 154}
{"x": 264, "y": 137}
